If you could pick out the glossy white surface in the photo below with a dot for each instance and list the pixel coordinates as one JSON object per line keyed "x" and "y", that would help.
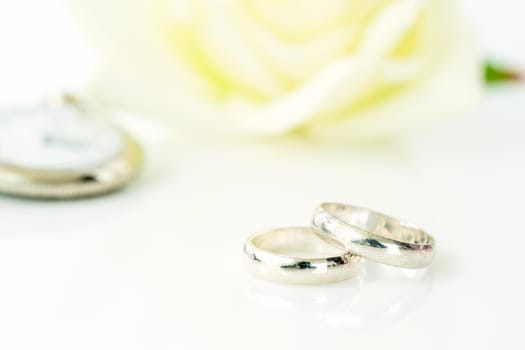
{"x": 160, "y": 264}
{"x": 133, "y": 271}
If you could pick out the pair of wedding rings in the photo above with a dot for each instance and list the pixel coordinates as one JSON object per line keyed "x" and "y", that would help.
{"x": 350, "y": 233}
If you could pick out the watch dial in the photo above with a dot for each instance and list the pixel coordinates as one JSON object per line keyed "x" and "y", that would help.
{"x": 61, "y": 139}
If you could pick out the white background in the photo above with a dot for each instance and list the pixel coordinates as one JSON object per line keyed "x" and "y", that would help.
{"x": 158, "y": 266}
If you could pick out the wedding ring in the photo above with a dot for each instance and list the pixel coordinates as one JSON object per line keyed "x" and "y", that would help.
{"x": 296, "y": 255}
{"x": 60, "y": 151}
{"x": 373, "y": 235}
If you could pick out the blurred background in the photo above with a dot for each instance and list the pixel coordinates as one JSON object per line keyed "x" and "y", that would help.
{"x": 44, "y": 49}
{"x": 422, "y": 117}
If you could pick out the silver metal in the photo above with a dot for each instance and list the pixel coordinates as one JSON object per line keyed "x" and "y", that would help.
{"x": 296, "y": 255}
{"x": 67, "y": 168}
{"x": 373, "y": 235}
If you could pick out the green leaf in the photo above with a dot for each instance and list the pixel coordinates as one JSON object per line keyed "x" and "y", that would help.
{"x": 496, "y": 74}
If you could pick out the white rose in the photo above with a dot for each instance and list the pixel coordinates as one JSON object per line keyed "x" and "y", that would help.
{"x": 345, "y": 69}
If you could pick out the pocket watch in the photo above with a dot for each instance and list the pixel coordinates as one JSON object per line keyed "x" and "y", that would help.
{"x": 61, "y": 150}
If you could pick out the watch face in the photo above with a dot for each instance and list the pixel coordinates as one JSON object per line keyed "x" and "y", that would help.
{"x": 61, "y": 139}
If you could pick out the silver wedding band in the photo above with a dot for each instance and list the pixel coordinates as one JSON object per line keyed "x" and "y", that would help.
{"x": 373, "y": 235}
{"x": 279, "y": 255}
